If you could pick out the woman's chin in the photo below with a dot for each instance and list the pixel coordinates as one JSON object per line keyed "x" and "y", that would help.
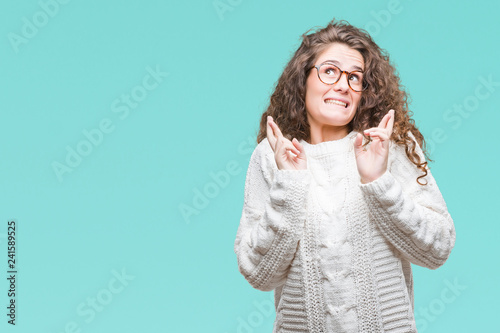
{"x": 337, "y": 118}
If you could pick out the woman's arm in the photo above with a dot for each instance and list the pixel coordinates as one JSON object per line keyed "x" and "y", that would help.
{"x": 412, "y": 217}
{"x": 272, "y": 219}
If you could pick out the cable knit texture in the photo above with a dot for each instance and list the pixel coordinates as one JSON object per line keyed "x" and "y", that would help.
{"x": 338, "y": 253}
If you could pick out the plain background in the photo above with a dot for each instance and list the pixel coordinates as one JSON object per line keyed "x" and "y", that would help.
{"x": 118, "y": 209}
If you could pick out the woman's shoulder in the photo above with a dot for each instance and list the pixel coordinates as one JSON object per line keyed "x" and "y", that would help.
{"x": 262, "y": 163}
{"x": 401, "y": 164}
{"x": 263, "y": 155}
{"x": 400, "y": 148}
{"x": 262, "y": 150}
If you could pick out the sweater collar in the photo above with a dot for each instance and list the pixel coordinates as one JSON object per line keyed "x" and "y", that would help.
{"x": 329, "y": 147}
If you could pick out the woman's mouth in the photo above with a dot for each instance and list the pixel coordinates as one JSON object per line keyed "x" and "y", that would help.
{"x": 336, "y": 102}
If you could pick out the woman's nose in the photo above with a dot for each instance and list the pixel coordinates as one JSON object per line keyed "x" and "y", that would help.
{"x": 341, "y": 84}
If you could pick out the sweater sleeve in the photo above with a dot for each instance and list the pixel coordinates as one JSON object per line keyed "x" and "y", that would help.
{"x": 412, "y": 217}
{"x": 272, "y": 220}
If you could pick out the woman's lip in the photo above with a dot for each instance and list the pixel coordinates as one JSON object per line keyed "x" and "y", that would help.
{"x": 337, "y": 99}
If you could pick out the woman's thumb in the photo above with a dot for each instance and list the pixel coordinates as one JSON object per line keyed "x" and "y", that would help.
{"x": 299, "y": 147}
{"x": 358, "y": 143}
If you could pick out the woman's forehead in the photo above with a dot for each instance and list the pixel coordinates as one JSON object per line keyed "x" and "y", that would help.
{"x": 342, "y": 55}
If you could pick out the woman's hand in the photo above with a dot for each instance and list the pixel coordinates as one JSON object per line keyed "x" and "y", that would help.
{"x": 372, "y": 163}
{"x": 289, "y": 155}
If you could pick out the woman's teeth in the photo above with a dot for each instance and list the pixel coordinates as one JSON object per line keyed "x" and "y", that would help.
{"x": 334, "y": 101}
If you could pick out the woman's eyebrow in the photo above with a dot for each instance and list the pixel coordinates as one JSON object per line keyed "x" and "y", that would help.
{"x": 335, "y": 62}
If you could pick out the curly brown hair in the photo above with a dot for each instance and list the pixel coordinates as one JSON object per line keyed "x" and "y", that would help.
{"x": 384, "y": 90}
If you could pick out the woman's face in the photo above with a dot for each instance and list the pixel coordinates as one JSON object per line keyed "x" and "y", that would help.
{"x": 331, "y": 107}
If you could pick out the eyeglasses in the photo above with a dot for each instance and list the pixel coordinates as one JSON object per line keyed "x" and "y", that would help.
{"x": 328, "y": 73}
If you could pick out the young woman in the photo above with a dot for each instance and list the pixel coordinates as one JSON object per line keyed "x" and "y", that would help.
{"x": 339, "y": 200}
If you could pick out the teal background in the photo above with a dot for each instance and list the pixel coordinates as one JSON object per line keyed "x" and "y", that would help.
{"x": 120, "y": 208}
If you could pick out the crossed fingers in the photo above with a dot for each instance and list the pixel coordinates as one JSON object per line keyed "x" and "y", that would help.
{"x": 384, "y": 130}
{"x": 277, "y": 141}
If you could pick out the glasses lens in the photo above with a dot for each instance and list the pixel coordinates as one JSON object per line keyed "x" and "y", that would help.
{"x": 356, "y": 81}
{"x": 329, "y": 74}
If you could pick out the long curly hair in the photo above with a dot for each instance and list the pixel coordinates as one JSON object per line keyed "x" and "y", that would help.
{"x": 384, "y": 91}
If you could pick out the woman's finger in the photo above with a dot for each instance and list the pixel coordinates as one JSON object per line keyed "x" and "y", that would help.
{"x": 383, "y": 122}
{"x": 285, "y": 146}
{"x": 299, "y": 147}
{"x": 390, "y": 124}
{"x": 276, "y": 129}
{"x": 281, "y": 141}
{"x": 386, "y": 120}
{"x": 270, "y": 134}
{"x": 294, "y": 150}
{"x": 376, "y": 130}
{"x": 382, "y": 135}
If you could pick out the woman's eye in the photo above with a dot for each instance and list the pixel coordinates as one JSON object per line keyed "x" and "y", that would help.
{"x": 355, "y": 78}
{"x": 329, "y": 71}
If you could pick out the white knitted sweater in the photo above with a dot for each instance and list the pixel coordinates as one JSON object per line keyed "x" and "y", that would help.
{"x": 336, "y": 252}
